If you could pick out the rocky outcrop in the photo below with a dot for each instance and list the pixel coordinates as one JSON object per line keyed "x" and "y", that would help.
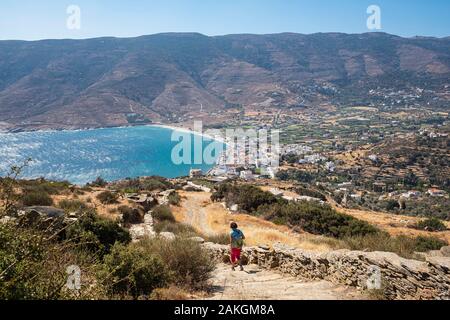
{"x": 146, "y": 201}
{"x": 395, "y": 277}
{"x": 143, "y": 230}
{"x": 51, "y": 220}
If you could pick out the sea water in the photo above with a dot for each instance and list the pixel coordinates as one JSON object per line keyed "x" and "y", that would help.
{"x": 81, "y": 156}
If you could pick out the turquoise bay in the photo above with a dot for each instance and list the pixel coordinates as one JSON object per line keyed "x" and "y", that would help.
{"x": 81, "y": 156}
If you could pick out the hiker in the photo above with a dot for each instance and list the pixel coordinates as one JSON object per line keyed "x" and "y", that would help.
{"x": 236, "y": 242}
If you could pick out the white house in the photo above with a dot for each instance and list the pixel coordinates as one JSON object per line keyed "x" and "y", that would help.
{"x": 246, "y": 175}
{"x": 195, "y": 173}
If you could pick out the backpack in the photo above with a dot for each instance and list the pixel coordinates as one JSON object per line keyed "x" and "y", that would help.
{"x": 237, "y": 237}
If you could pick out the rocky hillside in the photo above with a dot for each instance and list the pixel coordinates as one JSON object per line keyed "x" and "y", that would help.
{"x": 165, "y": 77}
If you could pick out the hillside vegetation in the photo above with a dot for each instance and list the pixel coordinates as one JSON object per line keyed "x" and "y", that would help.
{"x": 321, "y": 219}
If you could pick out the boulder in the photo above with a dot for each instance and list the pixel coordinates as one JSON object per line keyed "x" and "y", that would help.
{"x": 144, "y": 200}
{"x": 45, "y": 218}
{"x": 44, "y": 212}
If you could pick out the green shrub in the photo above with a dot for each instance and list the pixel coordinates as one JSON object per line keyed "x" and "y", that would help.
{"x": 310, "y": 216}
{"x": 190, "y": 266}
{"x": 295, "y": 174}
{"x": 402, "y": 245}
{"x": 431, "y": 224}
{"x": 44, "y": 186}
{"x": 424, "y": 244}
{"x": 97, "y": 234}
{"x": 316, "y": 219}
{"x": 107, "y": 197}
{"x": 249, "y": 198}
{"x": 36, "y": 199}
{"x": 133, "y": 270}
{"x": 392, "y": 205}
{"x": 163, "y": 213}
{"x": 130, "y": 215}
{"x": 310, "y": 193}
{"x": 174, "y": 199}
{"x": 32, "y": 267}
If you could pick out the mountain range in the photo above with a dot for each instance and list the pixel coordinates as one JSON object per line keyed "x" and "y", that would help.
{"x": 165, "y": 77}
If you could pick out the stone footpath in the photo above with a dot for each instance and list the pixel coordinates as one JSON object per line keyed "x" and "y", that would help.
{"x": 397, "y": 277}
{"x": 256, "y": 283}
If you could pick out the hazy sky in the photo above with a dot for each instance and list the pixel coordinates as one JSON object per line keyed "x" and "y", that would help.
{"x": 43, "y": 19}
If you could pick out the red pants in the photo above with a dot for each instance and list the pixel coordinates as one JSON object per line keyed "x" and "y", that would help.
{"x": 235, "y": 254}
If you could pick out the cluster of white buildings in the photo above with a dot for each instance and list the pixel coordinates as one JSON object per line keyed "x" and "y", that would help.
{"x": 432, "y": 134}
{"x": 296, "y": 198}
{"x": 414, "y": 194}
{"x": 297, "y": 149}
{"x": 312, "y": 159}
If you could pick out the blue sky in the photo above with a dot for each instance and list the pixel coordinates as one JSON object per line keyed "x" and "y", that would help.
{"x": 43, "y": 19}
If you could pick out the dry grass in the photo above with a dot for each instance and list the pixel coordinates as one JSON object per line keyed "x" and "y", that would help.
{"x": 394, "y": 224}
{"x": 171, "y": 293}
{"x": 90, "y": 198}
{"x": 258, "y": 231}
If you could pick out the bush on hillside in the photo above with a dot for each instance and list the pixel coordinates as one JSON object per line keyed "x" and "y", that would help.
{"x": 36, "y": 199}
{"x": 402, "y": 245}
{"x": 431, "y": 224}
{"x": 140, "y": 268}
{"x": 130, "y": 215}
{"x": 132, "y": 270}
{"x": 174, "y": 199}
{"x": 249, "y": 198}
{"x": 97, "y": 234}
{"x": 424, "y": 244}
{"x": 163, "y": 213}
{"x": 311, "y": 216}
{"x": 310, "y": 193}
{"x": 32, "y": 267}
{"x": 392, "y": 205}
{"x": 190, "y": 266}
{"x": 107, "y": 197}
{"x": 295, "y": 174}
{"x": 44, "y": 186}
{"x": 316, "y": 219}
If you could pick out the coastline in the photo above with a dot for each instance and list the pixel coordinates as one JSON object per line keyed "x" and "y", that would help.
{"x": 158, "y": 125}
{"x": 172, "y": 128}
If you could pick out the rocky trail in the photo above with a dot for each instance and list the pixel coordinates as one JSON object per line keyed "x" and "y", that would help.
{"x": 255, "y": 283}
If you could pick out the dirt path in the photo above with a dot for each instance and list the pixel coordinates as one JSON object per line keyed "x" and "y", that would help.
{"x": 258, "y": 284}
{"x": 196, "y": 216}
